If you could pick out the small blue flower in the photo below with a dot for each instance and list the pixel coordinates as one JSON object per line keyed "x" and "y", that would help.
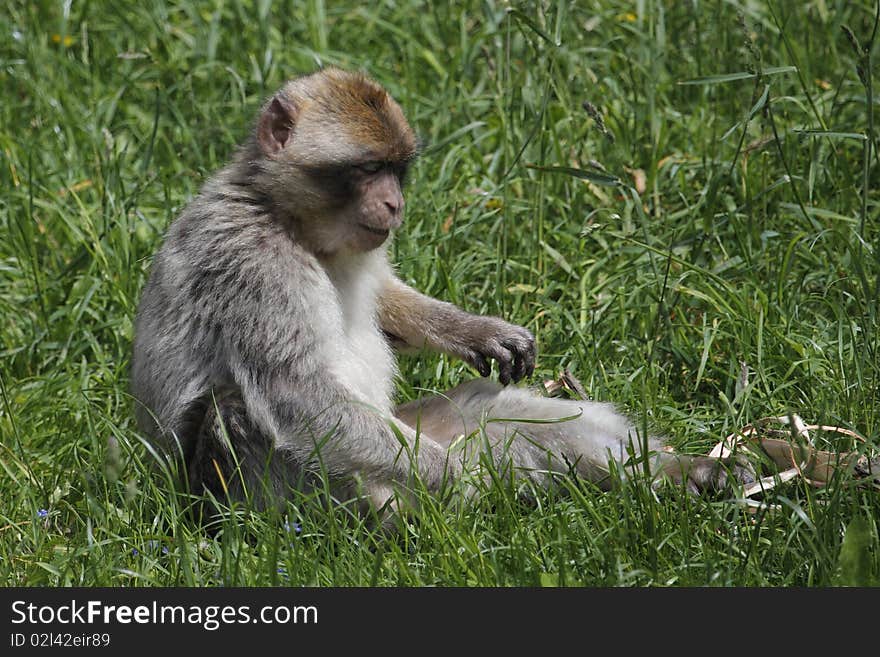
{"x": 295, "y": 527}
{"x": 134, "y": 552}
{"x": 42, "y": 513}
{"x": 164, "y": 550}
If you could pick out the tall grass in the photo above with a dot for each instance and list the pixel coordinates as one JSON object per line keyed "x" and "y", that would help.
{"x": 740, "y": 280}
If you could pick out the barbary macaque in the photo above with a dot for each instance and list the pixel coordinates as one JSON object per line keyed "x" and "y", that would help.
{"x": 265, "y": 334}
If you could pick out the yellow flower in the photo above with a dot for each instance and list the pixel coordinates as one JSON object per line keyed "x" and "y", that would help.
{"x": 67, "y": 40}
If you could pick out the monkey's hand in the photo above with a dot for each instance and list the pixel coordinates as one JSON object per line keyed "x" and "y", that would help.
{"x": 488, "y": 338}
{"x": 412, "y": 320}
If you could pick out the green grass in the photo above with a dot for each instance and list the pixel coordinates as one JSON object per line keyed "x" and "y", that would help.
{"x": 753, "y": 245}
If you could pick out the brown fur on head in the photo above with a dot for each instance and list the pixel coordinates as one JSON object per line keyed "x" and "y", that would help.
{"x": 333, "y": 148}
{"x": 365, "y": 111}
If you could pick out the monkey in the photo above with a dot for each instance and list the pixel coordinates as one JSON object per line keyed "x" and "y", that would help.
{"x": 267, "y": 332}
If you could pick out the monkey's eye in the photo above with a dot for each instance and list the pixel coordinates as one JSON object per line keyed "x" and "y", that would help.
{"x": 371, "y": 167}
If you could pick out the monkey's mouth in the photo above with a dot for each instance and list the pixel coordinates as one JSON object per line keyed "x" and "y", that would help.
{"x": 378, "y": 232}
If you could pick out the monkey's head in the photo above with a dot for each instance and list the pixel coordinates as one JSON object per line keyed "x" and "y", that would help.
{"x": 333, "y": 151}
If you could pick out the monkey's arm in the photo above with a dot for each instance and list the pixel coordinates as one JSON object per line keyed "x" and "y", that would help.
{"x": 278, "y": 358}
{"x": 415, "y": 320}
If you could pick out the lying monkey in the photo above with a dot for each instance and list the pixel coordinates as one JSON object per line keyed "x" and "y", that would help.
{"x": 265, "y": 334}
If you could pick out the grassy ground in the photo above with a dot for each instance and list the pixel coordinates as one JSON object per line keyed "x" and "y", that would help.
{"x": 740, "y": 245}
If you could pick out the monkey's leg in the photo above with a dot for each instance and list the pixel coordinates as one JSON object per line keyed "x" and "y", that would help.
{"x": 537, "y": 435}
{"x": 700, "y": 473}
{"x": 552, "y": 436}
{"x": 234, "y": 461}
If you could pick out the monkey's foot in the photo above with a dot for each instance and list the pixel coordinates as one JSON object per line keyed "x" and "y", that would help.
{"x": 705, "y": 474}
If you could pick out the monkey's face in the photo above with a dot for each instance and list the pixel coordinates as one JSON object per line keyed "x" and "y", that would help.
{"x": 374, "y": 207}
{"x": 336, "y": 148}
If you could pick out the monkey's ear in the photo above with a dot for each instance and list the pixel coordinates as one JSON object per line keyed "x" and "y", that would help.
{"x": 275, "y": 125}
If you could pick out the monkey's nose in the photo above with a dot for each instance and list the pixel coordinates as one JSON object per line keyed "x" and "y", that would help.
{"x": 394, "y": 207}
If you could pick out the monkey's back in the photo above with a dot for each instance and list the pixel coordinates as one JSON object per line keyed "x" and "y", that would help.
{"x": 179, "y": 357}
{"x": 168, "y": 375}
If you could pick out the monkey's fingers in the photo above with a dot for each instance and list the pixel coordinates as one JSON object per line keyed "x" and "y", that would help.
{"x": 505, "y": 367}
{"x": 494, "y": 350}
{"x": 479, "y": 361}
{"x": 523, "y": 351}
{"x": 519, "y": 365}
{"x": 508, "y": 368}
{"x": 529, "y": 357}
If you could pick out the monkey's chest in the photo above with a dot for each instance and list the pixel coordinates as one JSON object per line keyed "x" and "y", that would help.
{"x": 358, "y": 355}
{"x": 365, "y": 366}
{"x": 362, "y": 361}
